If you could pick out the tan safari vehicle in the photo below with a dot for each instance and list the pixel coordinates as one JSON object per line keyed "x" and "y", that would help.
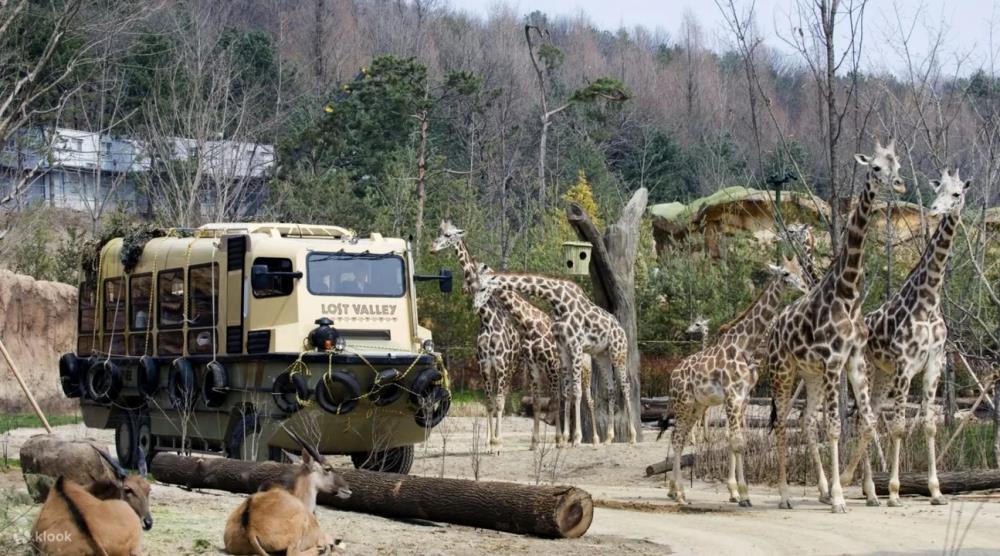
{"x": 209, "y": 340}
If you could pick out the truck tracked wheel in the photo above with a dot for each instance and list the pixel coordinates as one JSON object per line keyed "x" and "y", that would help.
{"x": 394, "y": 460}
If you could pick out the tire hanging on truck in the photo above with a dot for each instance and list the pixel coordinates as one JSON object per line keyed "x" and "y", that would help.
{"x": 180, "y": 385}
{"x": 327, "y": 399}
{"x": 290, "y": 391}
{"x": 103, "y": 381}
{"x": 431, "y": 398}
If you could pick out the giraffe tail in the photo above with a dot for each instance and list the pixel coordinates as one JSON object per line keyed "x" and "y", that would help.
{"x": 774, "y": 415}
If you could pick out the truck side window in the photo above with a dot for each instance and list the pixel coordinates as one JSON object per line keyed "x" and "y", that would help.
{"x": 86, "y": 318}
{"x": 203, "y": 293}
{"x": 170, "y": 297}
{"x": 114, "y": 305}
{"x": 140, "y": 295}
{"x": 283, "y": 285}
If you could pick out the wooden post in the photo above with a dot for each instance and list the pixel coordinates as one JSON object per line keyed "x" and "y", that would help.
{"x": 996, "y": 422}
{"x": 24, "y": 387}
{"x": 612, "y": 272}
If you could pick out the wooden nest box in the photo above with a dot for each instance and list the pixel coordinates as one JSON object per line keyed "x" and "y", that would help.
{"x": 576, "y": 257}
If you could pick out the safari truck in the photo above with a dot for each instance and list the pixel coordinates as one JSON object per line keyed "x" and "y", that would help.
{"x": 215, "y": 339}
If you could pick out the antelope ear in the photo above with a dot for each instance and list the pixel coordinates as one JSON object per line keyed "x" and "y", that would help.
{"x": 292, "y": 457}
{"x": 306, "y": 458}
{"x": 892, "y": 144}
{"x": 936, "y": 184}
{"x": 862, "y": 159}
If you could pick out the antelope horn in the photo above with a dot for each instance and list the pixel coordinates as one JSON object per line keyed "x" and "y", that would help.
{"x": 120, "y": 472}
{"x": 305, "y": 446}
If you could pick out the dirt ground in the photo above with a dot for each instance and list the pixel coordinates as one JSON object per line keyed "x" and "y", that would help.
{"x": 633, "y": 514}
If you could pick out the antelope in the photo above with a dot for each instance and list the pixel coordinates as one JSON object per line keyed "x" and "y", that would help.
{"x": 281, "y": 517}
{"x": 106, "y": 518}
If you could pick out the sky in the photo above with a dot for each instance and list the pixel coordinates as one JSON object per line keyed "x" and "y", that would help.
{"x": 966, "y": 26}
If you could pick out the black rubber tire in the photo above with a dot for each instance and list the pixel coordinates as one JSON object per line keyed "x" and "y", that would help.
{"x": 394, "y": 460}
{"x": 214, "y": 388}
{"x": 389, "y": 390}
{"x": 181, "y": 385}
{"x": 70, "y": 377}
{"x": 134, "y": 439}
{"x": 324, "y": 396}
{"x": 147, "y": 376}
{"x": 248, "y": 424}
{"x": 431, "y": 400}
{"x": 288, "y": 389}
{"x": 103, "y": 382}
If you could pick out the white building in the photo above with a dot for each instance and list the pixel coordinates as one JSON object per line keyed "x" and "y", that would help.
{"x": 94, "y": 172}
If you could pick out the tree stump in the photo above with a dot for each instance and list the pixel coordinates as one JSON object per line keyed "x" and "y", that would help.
{"x": 544, "y": 511}
{"x": 612, "y": 272}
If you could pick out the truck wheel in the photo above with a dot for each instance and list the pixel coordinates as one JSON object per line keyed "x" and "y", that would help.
{"x": 247, "y": 428}
{"x": 132, "y": 438}
{"x": 394, "y": 460}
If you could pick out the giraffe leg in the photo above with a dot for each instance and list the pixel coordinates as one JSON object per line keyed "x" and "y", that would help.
{"x": 588, "y": 398}
{"x": 737, "y": 444}
{"x": 900, "y": 387}
{"x": 858, "y": 375}
{"x": 686, "y": 417}
{"x": 831, "y": 388}
{"x": 555, "y": 395}
{"x": 536, "y": 412}
{"x": 931, "y": 375}
{"x": 781, "y": 390}
{"x": 606, "y": 366}
{"x": 620, "y": 366}
{"x": 487, "y": 371}
{"x": 809, "y": 426}
{"x": 578, "y": 359}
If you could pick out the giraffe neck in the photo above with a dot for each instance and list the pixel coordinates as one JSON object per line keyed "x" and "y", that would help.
{"x": 751, "y": 325}
{"x": 928, "y": 276}
{"x": 552, "y": 290}
{"x": 845, "y": 274}
{"x": 524, "y": 313}
{"x": 469, "y": 265}
{"x": 808, "y": 264}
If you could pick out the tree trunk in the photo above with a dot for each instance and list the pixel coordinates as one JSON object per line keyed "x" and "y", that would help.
{"x": 421, "y": 181}
{"x": 545, "y": 511}
{"x": 612, "y": 272}
{"x": 951, "y": 482}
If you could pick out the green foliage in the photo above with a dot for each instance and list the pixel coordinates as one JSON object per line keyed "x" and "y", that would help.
{"x": 689, "y": 282}
{"x": 9, "y": 422}
{"x": 43, "y": 253}
{"x": 659, "y": 163}
{"x": 605, "y": 89}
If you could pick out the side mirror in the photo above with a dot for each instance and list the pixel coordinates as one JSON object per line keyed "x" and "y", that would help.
{"x": 443, "y": 278}
{"x": 447, "y": 282}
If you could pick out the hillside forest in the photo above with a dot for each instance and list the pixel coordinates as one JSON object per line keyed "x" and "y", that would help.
{"x": 389, "y": 116}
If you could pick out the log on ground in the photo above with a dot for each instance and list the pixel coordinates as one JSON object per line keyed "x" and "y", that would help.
{"x": 952, "y": 482}
{"x": 687, "y": 460}
{"x": 544, "y": 511}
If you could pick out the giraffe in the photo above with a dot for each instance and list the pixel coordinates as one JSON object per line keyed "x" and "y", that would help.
{"x": 698, "y": 330}
{"x": 906, "y": 335}
{"x": 801, "y": 235}
{"x": 722, "y": 374}
{"x": 817, "y": 335}
{"x": 497, "y": 343}
{"x": 543, "y": 358}
{"x": 580, "y": 327}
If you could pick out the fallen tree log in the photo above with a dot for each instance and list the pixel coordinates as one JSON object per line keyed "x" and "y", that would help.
{"x": 951, "y": 482}
{"x": 687, "y": 460}
{"x": 544, "y": 511}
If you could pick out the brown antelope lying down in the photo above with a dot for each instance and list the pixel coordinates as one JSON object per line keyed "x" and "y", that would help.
{"x": 281, "y": 518}
{"x": 104, "y": 518}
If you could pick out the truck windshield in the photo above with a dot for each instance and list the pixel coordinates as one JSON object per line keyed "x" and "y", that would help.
{"x": 355, "y": 274}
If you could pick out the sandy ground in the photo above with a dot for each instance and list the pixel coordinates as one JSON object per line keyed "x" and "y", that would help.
{"x": 633, "y": 515}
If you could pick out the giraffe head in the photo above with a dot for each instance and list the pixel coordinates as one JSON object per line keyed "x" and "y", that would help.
{"x": 950, "y": 190}
{"x": 884, "y": 165}
{"x": 487, "y": 285}
{"x": 698, "y": 328}
{"x": 790, "y": 275}
{"x": 800, "y": 233}
{"x": 449, "y": 236}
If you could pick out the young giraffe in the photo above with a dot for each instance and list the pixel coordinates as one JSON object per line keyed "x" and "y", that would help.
{"x": 723, "y": 374}
{"x": 907, "y": 335}
{"x": 539, "y": 343}
{"x": 580, "y": 327}
{"x": 821, "y": 332}
{"x": 801, "y": 235}
{"x": 498, "y": 345}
